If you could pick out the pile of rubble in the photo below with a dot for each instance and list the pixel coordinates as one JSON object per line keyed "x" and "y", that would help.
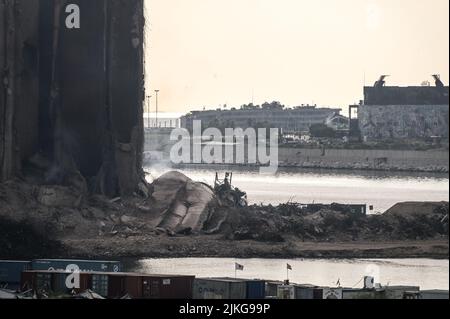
{"x": 36, "y": 222}
{"x": 330, "y": 223}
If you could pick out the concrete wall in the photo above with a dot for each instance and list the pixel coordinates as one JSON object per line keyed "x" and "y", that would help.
{"x": 403, "y": 121}
{"x": 375, "y": 159}
{"x": 158, "y": 146}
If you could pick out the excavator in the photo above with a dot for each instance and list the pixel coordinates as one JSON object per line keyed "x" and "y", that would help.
{"x": 229, "y": 194}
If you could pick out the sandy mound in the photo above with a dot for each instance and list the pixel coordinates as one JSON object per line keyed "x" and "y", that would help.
{"x": 408, "y": 209}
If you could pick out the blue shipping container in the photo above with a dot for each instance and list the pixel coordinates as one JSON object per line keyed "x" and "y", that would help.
{"x": 83, "y": 265}
{"x": 304, "y": 292}
{"x": 11, "y": 272}
{"x": 256, "y": 289}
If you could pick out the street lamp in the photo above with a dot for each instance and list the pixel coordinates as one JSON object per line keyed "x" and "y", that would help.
{"x": 149, "y": 97}
{"x": 157, "y": 92}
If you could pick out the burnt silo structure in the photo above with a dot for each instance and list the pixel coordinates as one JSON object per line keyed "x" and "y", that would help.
{"x": 71, "y": 95}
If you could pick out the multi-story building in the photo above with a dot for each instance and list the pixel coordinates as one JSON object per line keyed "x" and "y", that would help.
{"x": 297, "y": 119}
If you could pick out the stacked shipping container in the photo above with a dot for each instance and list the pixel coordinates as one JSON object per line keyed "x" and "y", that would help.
{"x": 83, "y": 265}
{"x": 113, "y": 285}
{"x": 227, "y": 288}
{"x": 11, "y": 272}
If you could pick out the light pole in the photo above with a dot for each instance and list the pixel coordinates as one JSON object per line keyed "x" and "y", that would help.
{"x": 157, "y": 92}
{"x": 149, "y": 97}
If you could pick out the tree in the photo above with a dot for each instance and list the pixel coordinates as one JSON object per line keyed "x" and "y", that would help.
{"x": 274, "y": 105}
{"x": 321, "y": 130}
{"x": 249, "y": 106}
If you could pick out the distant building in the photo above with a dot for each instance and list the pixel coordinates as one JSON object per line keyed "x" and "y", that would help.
{"x": 392, "y": 112}
{"x": 288, "y": 120}
{"x": 162, "y": 120}
{"x": 338, "y": 122}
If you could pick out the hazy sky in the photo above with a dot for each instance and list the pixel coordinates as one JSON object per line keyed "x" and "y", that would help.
{"x": 215, "y": 52}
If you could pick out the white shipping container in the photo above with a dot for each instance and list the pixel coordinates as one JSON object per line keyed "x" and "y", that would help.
{"x": 286, "y": 292}
{"x": 332, "y": 293}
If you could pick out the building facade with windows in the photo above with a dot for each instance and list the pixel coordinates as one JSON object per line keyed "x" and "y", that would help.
{"x": 288, "y": 120}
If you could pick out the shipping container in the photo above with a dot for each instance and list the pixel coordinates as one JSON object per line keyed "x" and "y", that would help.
{"x": 59, "y": 283}
{"x": 286, "y": 292}
{"x": 142, "y": 286}
{"x": 362, "y": 294}
{"x": 11, "y": 273}
{"x": 134, "y": 286}
{"x": 434, "y": 294}
{"x": 296, "y": 291}
{"x": 27, "y": 281}
{"x": 318, "y": 293}
{"x": 411, "y": 295}
{"x": 327, "y": 293}
{"x": 398, "y": 292}
{"x": 83, "y": 265}
{"x": 167, "y": 287}
{"x": 113, "y": 285}
{"x": 256, "y": 289}
{"x": 116, "y": 286}
{"x": 216, "y": 288}
{"x": 332, "y": 293}
{"x": 43, "y": 281}
{"x": 304, "y": 291}
{"x": 272, "y": 288}
{"x": 52, "y": 281}
{"x": 100, "y": 284}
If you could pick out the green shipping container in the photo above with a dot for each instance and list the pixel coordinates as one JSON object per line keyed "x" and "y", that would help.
{"x": 83, "y": 265}
{"x": 213, "y": 288}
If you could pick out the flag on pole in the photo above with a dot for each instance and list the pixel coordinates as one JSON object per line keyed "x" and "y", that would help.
{"x": 239, "y": 267}
{"x": 289, "y": 267}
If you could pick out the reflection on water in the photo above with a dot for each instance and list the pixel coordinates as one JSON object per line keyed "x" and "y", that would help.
{"x": 426, "y": 273}
{"x": 380, "y": 189}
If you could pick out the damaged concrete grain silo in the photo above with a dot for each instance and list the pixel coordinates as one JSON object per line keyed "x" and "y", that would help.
{"x": 71, "y": 95}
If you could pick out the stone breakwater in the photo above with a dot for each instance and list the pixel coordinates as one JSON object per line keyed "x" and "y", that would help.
{"x": 379, "y": 160}
{"x": 158, "y": 147}
{"x": 365, "y": 166}
{"x": 386, "y": 160}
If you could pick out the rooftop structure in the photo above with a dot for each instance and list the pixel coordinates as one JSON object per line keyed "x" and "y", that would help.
{"x": 409, "y": 95}
{"x": 392, "y": 112}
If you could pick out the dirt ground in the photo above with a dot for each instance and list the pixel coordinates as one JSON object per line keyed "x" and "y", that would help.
{"x": 172, "y": 220}
{"x": 215, "y": 246}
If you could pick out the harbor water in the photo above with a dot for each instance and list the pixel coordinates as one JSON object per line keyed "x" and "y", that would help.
{"x": 426, "y": 273}
{"x": 380, "y": 189}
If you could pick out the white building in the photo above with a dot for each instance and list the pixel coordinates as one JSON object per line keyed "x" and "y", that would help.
{"x": 162, "y": 120}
